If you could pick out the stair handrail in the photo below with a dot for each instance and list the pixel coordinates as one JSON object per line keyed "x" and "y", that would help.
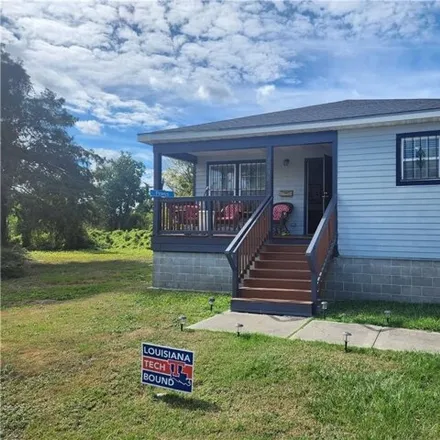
{"x": 239, "y": 263}
{"x": 320, "y": 249}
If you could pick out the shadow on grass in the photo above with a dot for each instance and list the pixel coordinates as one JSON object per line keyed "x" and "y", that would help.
{"x": 189, "y": 403}
{"x": 45, "y": 282}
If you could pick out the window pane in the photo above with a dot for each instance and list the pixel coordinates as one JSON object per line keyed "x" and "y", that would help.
{"x": 222, "y": 179}
{"x": 433, "y": 146}
{"x": 252, "y": 179}
{"x": 408, "y": 149}
{"x": 408, "y": 170}
{"x": 420, "y": 158}
{"x": 433, "y": 169}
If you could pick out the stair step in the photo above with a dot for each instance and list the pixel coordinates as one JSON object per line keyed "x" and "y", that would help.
{"x": 283, "y": 256}
{"x": 275, "y": 293}
{"x": 269, "y": 283}
{"x": 296, "y": 249}
{"x": 284, "y": 265}
{"x": 272, "y": 307}
{"x": 281, "y": 274}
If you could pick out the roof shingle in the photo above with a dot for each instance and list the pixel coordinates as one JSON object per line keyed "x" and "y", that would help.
{"x": 333, "y": 111}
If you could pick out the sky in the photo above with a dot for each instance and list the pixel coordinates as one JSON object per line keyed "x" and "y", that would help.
{"x": 132, "y": 67}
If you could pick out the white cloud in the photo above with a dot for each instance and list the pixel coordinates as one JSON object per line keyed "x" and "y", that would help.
{"x": 89, "y": 127}
{"x": 264, "y": 92}
{"x": 134, "y": 65}
{"x": 107, "y": 153}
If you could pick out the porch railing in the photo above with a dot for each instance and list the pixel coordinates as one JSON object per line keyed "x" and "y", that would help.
{"x": 203, "y": 216}
{"x": 321, "y": 247}
{"x": 245, "y": 246}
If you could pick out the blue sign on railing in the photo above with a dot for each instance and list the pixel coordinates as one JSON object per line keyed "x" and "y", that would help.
{"x": 161, "y": 193}
{"x": 167, "y": 367}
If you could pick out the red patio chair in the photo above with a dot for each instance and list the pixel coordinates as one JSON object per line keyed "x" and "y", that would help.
{"x": 230, "y": 215}
{"x": 280, "y": 214}
{"x": 190, "y": 216}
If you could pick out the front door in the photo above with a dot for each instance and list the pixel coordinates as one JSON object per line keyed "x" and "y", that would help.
{"x": 318, "y": 190}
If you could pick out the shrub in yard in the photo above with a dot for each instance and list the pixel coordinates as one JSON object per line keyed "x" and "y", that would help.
{"x": 118, "y": 239}
{"x": 13, "y": 262}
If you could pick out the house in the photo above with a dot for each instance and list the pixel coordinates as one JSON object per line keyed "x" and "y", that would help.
{"x": 362, "y": 178}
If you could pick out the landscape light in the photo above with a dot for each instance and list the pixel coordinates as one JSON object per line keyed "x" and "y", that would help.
{"x": 239, "y": 327}
{"x": 182, "y": 320}
{"x": 211, "y": 302}
{"x": 324, "y": 307}
{"x": 387, "y": 315}
{"x": 346, "y": 338}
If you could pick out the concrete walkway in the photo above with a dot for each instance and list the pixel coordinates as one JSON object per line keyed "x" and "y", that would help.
{"x": 309, "y": 329}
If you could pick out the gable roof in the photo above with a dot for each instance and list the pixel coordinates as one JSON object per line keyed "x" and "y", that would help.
{"x": 321, "y": 113}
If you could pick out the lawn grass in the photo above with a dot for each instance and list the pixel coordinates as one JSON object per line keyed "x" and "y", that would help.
{"x": 71, "y": 368}
{"x": 413, "y": 316}
{"x": 71, "y": 275}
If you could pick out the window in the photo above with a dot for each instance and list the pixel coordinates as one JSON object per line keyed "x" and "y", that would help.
{"x": 418, "y": 158}
{"x": 237, "y": 179}
{"x": 222, "y": 179}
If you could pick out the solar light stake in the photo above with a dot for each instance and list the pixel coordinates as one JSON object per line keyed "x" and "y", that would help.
{"x": 324, "y": 307}
{"x": 346, "y": 338}
{"x": 239, "y": 327}
{"x": 387, "y": 315}
{"x": 182, "y": 320}
{"x": 211, "y": 302}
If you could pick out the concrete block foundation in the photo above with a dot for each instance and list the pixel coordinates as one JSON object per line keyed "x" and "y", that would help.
{"x": 192, "y": 271}
{"x": 416, "y": 281}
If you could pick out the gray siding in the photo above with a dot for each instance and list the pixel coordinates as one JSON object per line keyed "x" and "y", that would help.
{"x": 285, "y": 178}
{"x": 376, "y": 218}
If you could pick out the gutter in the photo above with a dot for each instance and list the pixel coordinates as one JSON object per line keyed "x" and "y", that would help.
{"x": 426, "y": 116}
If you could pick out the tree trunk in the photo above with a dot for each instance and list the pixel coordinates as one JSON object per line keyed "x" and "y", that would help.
{"x": 4, "y": 221}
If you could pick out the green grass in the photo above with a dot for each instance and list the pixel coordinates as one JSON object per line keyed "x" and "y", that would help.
{"x": 413, "y": 316}
{"x": 71, "y": 368}
{"x": 72, "y": 275}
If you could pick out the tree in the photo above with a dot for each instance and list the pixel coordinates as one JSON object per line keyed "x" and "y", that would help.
{"x": 120, "y": 181}
{"x": 179, "y": 177}
{"x": 15, "y": 89}
{"x": 46, "y": 176}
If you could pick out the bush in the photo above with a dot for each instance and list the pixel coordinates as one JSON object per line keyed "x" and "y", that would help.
{"x": 13, "y": 262}
{"x": 118, "y": 239}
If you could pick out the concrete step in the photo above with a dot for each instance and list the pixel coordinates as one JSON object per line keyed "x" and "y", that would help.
{"x": 275, "y": 293}
{"x": 272, "y": 307}
{"x": 282, "y": 274}
{"x": 277, "y": 283}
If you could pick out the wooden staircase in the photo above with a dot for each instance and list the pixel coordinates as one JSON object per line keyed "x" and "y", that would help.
{"x": 278, "y": 282}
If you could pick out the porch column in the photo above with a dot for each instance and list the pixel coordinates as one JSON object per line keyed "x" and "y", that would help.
{"x": 157, "y": 181}
{"x": 157, "y": 170}
{"x": 335, "y": 184}
{"x": 269, "y": 170}
{"x": 269, "y": 179}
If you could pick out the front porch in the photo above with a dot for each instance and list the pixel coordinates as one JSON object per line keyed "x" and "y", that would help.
{"x": 276, "y": 261}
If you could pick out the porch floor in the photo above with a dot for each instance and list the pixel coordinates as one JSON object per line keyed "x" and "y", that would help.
{"x": 286, "y": 239}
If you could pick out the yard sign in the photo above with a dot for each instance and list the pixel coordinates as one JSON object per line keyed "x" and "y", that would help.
{"x": 167, "y": 367}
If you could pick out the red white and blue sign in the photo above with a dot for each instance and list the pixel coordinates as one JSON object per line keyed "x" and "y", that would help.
{"x": 166, "y": 367}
